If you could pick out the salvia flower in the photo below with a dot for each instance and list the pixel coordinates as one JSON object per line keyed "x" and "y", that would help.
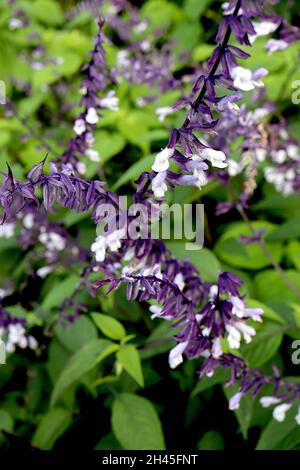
{"x": 13, "y": 332}
{"x": 161, "y": 162}
{"x": 245, "y": 80}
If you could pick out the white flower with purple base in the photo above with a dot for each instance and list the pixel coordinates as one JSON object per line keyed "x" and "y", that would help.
{"x": 246, "y": 80}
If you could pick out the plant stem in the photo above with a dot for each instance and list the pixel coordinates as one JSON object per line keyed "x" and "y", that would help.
{"x": 215, "y": 66}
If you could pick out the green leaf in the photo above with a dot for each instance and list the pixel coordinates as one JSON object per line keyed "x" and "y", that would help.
{"x": 129, "y": 357}
{"x": 51, "y": 73}
{"x": 80, "y": 363}
{"x": 161, "y": 13}
{"x": 211, "y": 440}
{"x": 281, "y": 68}
{"x": 58, "y": 356}
{"x": 293, "y": 253}
{"x": 47, "y": 12}
{"x": 264, "y": 345}
{"x": 4, "y": 138}
{"x": 61, "y": 290}
{"x": 186, "y": 36}
{"x": 282, "y": 206}
{"x": 30, "y": 154}
{"x": 296, "y": 313}
{"x": 108, "y": 442}
{"x": 202, "y": 52}
{"x": 287, "y": 231}
{"x": 135, "y": 170}
{"x": 108, "y": 144}
{"x": 220, "y": 377}
{"x": 109, "y": 326}
{"x": 194, "y": 8}
{"x": 77, "y": 334}
{"x": 6, "y": 422}
{"x": 281, "y": 436}
{"x": 136, "y": 424}
{"x": 203, "y": 259}
{"x": 159, "y": 342}
{"x": 269, "y": 286}
{"x": 53, "y": 424}
{"x": 134, "y": 125}
{"x": 230, "y": 249}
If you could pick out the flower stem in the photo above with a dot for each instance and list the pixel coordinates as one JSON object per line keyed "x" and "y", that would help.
{"x": 215, "y": 66}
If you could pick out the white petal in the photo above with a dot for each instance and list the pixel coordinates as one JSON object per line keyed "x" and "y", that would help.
{"x": 242, "y": 78}
{"x": 265, "y": 27}
{"x": 93, "y": 155}
{"x": 161, "y": 162}
{"x": 81, "y": 168}
{"x": 175, "y": 355}
{"x": 155, "y": 310}
{"x": 234, "y": 402}
{"x": 297, "y": 417}
{"x": 28, "y": 221}
{"x": 179, "y": 281}
{"x": 100, "y": 255}
{"x": 234, "y": 168}
{"x": 217, "y": 348}
{"x": 280, "y": 411}
{"x": 32, "y": 342}
{"x": 79, "y": 126}
{"x": 92, "y": 116}
{"x": 213, "y": 292}
{"x": 159, "y": 186}
{"x": 254, "y": 313}
{"x": 216, "y": 157}
{"x": 276, "y": 45}
{"x": 268, "y": 401}
{"x": 44, "y": 271}
{"x": 163, "y": 112}
{"x": 201, "y": 179}
{"x": 23, "y": 343}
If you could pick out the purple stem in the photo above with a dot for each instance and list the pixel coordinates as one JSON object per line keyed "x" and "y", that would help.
{"x": 215, "y": 66}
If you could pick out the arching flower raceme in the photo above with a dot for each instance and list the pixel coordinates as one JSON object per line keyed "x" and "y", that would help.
{"x": 97, "y": 77}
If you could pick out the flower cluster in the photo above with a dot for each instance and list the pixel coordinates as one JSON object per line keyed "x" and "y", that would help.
{"x": 282, "y": 169}
{"x": 52, "y": 244}
{"x": 172, "y": 297}
{"x": 193, "y": 155}
{"x": 13, "y": 331}
{"x": 285, "y": 393}
{"x": 96, "y": 79}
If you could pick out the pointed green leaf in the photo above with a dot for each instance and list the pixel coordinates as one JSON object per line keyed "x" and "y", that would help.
{"x": 109, "y": 326}
{"x": 129, "y": 357}
{"x": 136, "y": 424}
{"x": 53, "y": 424}
{"x": 80, "y": 363}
